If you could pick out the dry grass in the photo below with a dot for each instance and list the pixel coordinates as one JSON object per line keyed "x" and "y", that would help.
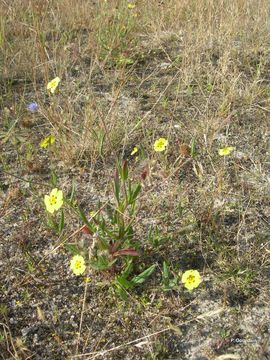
{"x": 195, "y": 72}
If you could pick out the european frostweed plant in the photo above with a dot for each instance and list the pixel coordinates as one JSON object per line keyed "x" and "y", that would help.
{"x": 160, "y": 144}
{"x": 114, "y": 247}
{"x": 77, "y": 265}
{"x": 226, "y": 150}
{"x": 53, "y": 84}
{"x": 49, "y": 140}
{"x": 54, "y": 201}
{"x": 191, "y": 279}
{"x": 111, "y": 224}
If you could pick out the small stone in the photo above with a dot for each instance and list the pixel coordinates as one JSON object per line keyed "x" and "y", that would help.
{"x": 25, "y": 331}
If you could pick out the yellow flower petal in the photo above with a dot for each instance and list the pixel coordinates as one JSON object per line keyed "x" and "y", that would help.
{"x": 160, "y": 144}
{"x": 54, "y": 201}
{"x": 134, "y": 150}
{"x": 131, "y": 6}
{"x": 49, "y": 208}
{"x": 77, "y": 264}
{"x": 52, "y": 85}
{"x": 191, "y": 279}
{"x": 54, "y": 191}
{"x": 92, "y": 213}
{"x": 226, "y": 151}
{"x": 49, "y": 140}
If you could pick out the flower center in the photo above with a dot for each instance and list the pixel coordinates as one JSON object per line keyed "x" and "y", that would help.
{"x": 78, "y": 264}
{"x": 191, "y": 279}
{"x": 53, "y": 200}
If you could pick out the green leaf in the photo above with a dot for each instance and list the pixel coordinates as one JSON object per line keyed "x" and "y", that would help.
{"x": 61, "y": 222}
{"x": 83, "y": 217}
{"x": 128, "y": 269}
{"x": 122, "y": 60}
{"x": 170, "y": 285}
{"x": 121, "y": 230}
{"x": 54, "y": 179}
{"x": 101, "y": 143}
{"x": 73, "y": 190}
{"x": 129, "y": 232}
{"x": 154, "y": 236}
{"x": 136, "y": 191}
{"x": 165, "y": 273}
{"x": 133, "y": 192}
{"x": 101, "y": 263}
{"x": 121, "y": 280}
{"x": 110, "y": 213}
{"x": 139, "y": 279}
{"x": 51, "y": 222}
{"x": 73, "y": 249}
{"x": 117, "y": 187}
{"x": 168, "y": 282}
{"x": 125, "y": 170}
{"x": 103, "y": 243}
{"x": 121, "y": 292}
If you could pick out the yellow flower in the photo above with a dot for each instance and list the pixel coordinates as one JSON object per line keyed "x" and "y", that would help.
{"x": 131, "y": 6}
{"x": 191, "y": 279}
{"x": 226, "y": 151}
{"x": 92, "y": 213}
{"x": 52, "y": 85}
{"x": 160, "y": 144}
{"x": 49, "y": 140}
{"x": 134, "y": 151}
{"x": 54, "y": 201}
{"x": 77, "y": 265}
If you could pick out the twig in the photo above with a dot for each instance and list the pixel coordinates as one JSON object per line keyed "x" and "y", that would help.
{"x": 81, "y": 319}
{"x": 25, "y": 180}
{"x": 102, "y": 353}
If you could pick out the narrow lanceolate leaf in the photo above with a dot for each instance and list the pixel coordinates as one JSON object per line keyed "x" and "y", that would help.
{"x": 133, "y": 193}
{"x": 117, "y": 187}
{"x": 121, "y": 292}
{"x": 125, "y": 170}
{"x": 139, "y": 279}
{"x": 72, "y": 248}
{"x": 130, "y": 252}
{"x": 165, "y": 272}
{"x": 128, "y": 269}
{"x": 54, "y": 179}
{"x": 113, "y": 248}
{"x": 62, "y": 221}
{"x": 83, "y": 217}
{"x": 73, "y": 190}
{"x": 101, "y": 143}
{"x": 136, "y": 191}
{"x": 121, "y": 280}
{"x": 101, "y": 263}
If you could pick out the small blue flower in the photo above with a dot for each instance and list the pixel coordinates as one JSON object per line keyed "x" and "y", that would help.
{"x": 33, "y": 107}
